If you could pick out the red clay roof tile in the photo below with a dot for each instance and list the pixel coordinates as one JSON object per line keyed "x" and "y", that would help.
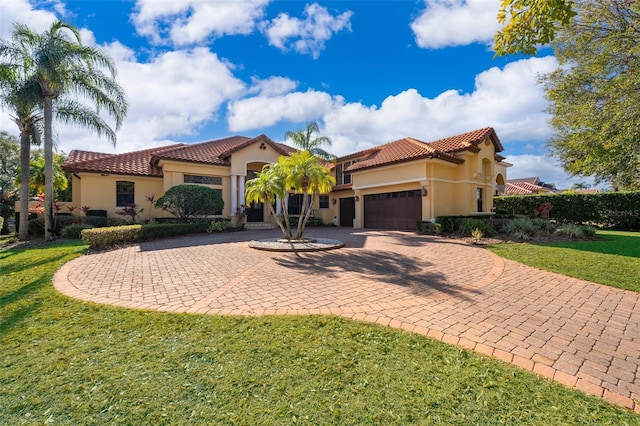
{"x": 131, "y": 163}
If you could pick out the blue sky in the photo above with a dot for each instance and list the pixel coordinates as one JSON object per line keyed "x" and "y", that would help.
{"x": 369, "y": 72}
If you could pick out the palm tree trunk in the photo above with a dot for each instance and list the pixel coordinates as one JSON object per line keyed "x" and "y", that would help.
{"x": 49, "y": 231}
{"x": 303, "y": 212}
{"x": 272, "y": 211}
{"x": 25, "y": 150}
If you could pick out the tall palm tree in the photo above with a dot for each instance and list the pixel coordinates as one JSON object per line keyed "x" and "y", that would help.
{"x": 22, "y": 97}
{"x": 306, "y": 174}
{"x": 310, "y": 140}
{"x": 63, "y": 66}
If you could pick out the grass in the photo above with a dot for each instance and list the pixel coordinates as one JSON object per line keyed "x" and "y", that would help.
{"x": 68, "y": 362}
{"x": 613, "y": 259}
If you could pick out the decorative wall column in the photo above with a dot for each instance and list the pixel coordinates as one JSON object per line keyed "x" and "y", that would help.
{"x": 234, "y": 194}
{"x": 278, "y": 207}
{"x": 241, "y": 196}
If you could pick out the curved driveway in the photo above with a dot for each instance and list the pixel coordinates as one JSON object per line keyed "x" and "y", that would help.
{"x": 581, "y": 334}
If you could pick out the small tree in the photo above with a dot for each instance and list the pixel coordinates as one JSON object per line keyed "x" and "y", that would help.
{"x": 300, "y": 173}
{"x": 191, "y": 202}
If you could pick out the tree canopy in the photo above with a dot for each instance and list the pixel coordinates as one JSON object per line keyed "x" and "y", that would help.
{"x": 528, "y": 23}
{"x": 300, "y": 173}
{"x": 58, "y": 70}
{"x": 594, "y": 95}
{"x": 310, "y": 140}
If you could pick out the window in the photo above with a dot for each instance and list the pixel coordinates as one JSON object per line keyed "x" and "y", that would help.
{"x": 479, "y": 198}
{"x": 324, "y": 201}
{"x": 203, "y": 180}
{"x": 343, "y": 177}
{"x": 295, "y": 203}
{"x": 124, "y": 193}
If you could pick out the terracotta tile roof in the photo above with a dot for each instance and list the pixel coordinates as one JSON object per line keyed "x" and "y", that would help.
{"x": 408, "y": 149}
{"x": 131, "y": 163}
{"x": 342, "y": 187}
{"x": 145, "y": 163}
{"x": 210, "y": 152}
{"x": 525, "y": 188}
{"x": 468, "y": 141}
{"x": 77, "y": 156}
{"x": 532, "y": 180}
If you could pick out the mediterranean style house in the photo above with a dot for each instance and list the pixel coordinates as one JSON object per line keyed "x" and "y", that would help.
{"x": 391, "y": 186}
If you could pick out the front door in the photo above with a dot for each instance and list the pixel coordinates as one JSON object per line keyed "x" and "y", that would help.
{"x": 347, "y": 211}
{"x": 255, "y": 212}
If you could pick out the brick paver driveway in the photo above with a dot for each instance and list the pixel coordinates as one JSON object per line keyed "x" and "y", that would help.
{"x": 578, "y": 333}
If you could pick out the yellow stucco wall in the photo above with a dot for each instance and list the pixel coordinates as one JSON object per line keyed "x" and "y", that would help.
{"x": 99, "y": 193}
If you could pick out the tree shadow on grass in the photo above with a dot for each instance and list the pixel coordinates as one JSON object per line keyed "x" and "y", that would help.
{"x": 417, "y": 275}
{"x": 25, "y": 304}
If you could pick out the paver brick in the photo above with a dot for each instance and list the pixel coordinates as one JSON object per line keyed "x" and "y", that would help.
{"x": 581, "y": 334}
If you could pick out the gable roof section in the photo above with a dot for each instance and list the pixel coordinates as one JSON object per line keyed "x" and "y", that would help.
{"x": 525, "y": 188}
{"x": 136, "y": 163}
{"x": 409, "y": 149}
{"x": 210, "y": 152}
{"x": 468, "y": 141}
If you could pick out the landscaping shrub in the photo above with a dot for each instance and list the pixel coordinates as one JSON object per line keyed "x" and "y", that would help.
{"x": 468, "y": 225}
{"x": 74, "y": 231}
{"x": 97, "y": 218}
{"x": 191, "y": 202}
{"x": 225, "y": 226}
{"x": 620, "y": 210}
{"x": 575, "y": 231}
{"x": 521, "y": 228}
{"x": 312, "y": 221}
{"x": 453, "y": 224}
{"x": 429, "y": 228}
{"x": 109, "y": 236}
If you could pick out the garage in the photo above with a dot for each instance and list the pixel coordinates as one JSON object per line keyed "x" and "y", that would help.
{"x": 393, "y": 210}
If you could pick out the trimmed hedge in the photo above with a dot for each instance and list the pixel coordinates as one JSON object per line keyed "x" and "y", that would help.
{"x": 104, "y": 237}
{"x": 313, "y": 221}
{"x": 455, "y": 224}
{"x": 619, "y": 210}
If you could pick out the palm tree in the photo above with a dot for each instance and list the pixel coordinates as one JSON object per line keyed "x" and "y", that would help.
{"x": 308, "y": 140}
{"x": 306, "y": 174}
{"x": 21, "y": 96}
{"x": 62, "y": 66}
{"x": 264, "y": 188}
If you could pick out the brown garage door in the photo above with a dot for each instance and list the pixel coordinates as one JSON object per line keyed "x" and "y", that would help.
{"x": 393, "y": 210}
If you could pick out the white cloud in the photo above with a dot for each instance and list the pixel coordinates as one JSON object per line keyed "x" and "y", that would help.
{"x": 265, "y": 111}
{"x": 306, "y": 36}
{"x": 508, "y": 99}
{"x": 21, "y": 11}
{"x": 272, "y": 86}
{"x": 193, "y": 21}
{"x": 174, "y": 94}
{"x": 456, "y": 23}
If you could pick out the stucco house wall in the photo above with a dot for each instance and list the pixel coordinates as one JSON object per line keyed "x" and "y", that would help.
{"x": 443, "y": 177}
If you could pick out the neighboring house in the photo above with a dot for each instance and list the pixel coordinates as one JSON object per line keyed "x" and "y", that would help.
{"x": 389, "y": 186}
{"x": 529, "y": 186}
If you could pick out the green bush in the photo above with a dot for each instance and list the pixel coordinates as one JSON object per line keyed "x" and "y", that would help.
{"x": 453, "y": 224}
{"x": 575, "y": 231}
{"x": 620, "y": 210}
{"x": 74, "y": 231}
{"x": 521, "y": 228}
{"x": 191, "y": 202}
{"x": 104, "y": 237}
{"x": 468, "y": 225}
{"x": 225, "y": 226}
{"x": 312, "y": 221}
{"x": 429, "y": 228}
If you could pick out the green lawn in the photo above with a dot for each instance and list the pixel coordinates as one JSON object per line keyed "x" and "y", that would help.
{"x": 613, "y": 259}
{"x": 68, "y": 362}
